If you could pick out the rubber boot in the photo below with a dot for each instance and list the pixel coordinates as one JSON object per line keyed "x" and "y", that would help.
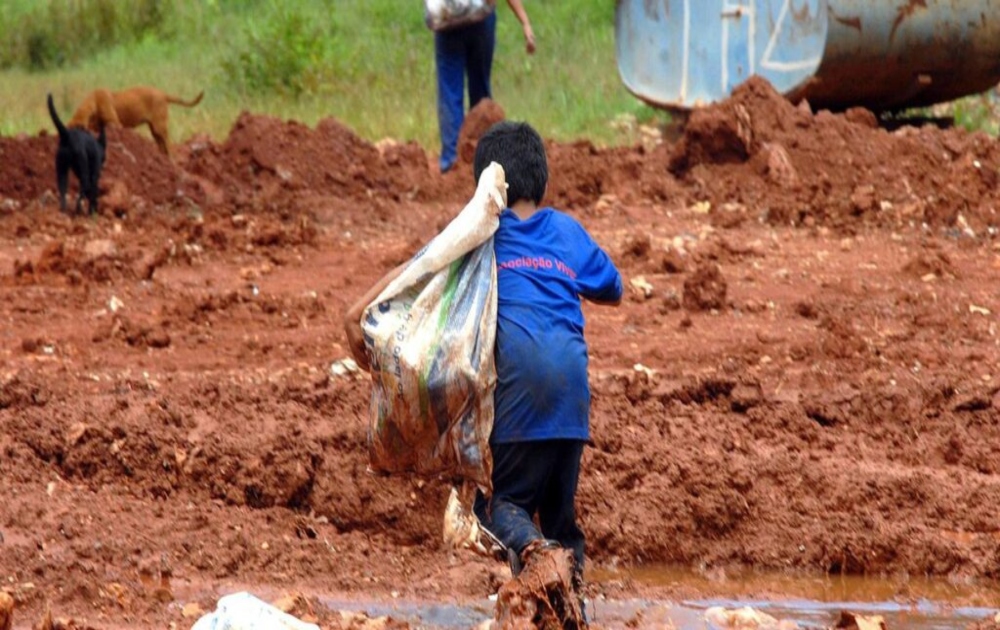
{"x": 534, "y": 547}
{"x": 519, "y": 560}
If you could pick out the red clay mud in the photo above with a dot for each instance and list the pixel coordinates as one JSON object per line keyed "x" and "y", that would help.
{"x": 171, "y": 430}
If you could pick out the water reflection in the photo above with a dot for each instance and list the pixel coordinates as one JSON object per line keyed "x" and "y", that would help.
{"x": 811, "y": 602}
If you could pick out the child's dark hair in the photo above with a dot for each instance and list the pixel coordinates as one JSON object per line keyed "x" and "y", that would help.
{"x": 518, "y": 148}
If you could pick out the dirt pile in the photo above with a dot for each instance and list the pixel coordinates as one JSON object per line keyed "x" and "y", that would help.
{"x": 264, "y": 157}
{"x": 478, "y": 120}
{"x": 797, "y": 167}
{"x": 755, "y": 150}
{"x": 29, "y": 166}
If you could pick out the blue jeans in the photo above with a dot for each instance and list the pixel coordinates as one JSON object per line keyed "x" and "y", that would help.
{"x": 534, "y": 477}
{"x": 467, "y": 50}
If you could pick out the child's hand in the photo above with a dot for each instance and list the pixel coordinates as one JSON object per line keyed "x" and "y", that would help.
{"x": 352, "y": 320}
{"x": 356, "y": 336}
{"x": 356, "y": 342}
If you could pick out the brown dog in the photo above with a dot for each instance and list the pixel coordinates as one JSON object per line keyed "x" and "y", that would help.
{"x": 130, "y": 108}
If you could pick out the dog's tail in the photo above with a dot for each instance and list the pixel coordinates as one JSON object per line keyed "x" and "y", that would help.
{"x": 63, "y": 133}
{"x": 179, "y": 101}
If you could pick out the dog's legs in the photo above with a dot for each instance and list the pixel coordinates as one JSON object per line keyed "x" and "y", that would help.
{"x": 62, "y": 178}
{"x": 92, "y": 191}
{"x": 160, "y": 132}
{"x": 106, "y": 115}
{"x": 83, "y": 175}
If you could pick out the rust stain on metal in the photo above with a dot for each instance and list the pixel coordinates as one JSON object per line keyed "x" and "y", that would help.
{"x": 904, "y": 12}
{"x": 803, "y": 15}
{"x": 850, "y": 22}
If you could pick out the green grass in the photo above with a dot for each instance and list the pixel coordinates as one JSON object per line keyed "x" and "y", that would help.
{"x": 369, "y": 64}
{"x": 980, "y": 112}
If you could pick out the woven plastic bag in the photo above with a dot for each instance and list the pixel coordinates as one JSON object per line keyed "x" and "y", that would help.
{"x": 442, "y": 15}
{"x": 430, "y": 335}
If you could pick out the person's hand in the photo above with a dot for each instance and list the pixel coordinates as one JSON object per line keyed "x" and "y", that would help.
{"x": 360, "y": 353}
{"x": 529, "y": 39}
{"x": 356, "y": 340}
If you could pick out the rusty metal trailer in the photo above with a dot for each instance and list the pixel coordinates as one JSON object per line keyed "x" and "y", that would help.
{"x": 886, "y": 55}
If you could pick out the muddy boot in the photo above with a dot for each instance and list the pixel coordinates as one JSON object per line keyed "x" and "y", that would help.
{"x": 541, "y": 596}
{"x": 519, "y": 561}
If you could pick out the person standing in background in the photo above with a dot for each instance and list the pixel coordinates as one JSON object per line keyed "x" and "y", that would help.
{"x": 464, "y": 41}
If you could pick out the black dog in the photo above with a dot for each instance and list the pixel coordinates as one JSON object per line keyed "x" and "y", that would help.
{"x": 84, "y": 154}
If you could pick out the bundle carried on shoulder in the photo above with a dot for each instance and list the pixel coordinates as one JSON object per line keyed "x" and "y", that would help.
{"x": 443, "y": 15}
{"x": 431, "y": 335}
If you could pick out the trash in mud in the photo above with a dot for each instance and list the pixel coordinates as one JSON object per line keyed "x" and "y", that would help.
{"x": 851, "y": 621}
{"x": 542, "y": 596}
{"x": 745, "y": 618}
{"x": 243, "y": 611}
{"x": 462, "y": 529}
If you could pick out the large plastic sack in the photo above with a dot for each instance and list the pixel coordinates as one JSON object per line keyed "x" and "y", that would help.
{"x": 430, "y": 335}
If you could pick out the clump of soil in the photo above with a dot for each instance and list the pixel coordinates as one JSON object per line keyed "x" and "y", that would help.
{"x": 933, "y": 263}
{"x": 480, "y": 118}
{"x": 987, "y": 624}
{"x": 705, "y": 289}
{"x": 134, "y": 333}
{"x": 98, "y": 261}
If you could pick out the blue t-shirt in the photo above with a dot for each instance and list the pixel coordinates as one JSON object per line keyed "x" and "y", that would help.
{"x": 545, "y": 264}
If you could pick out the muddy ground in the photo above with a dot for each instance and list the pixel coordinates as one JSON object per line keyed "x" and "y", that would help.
{"x": 804, "y": 377}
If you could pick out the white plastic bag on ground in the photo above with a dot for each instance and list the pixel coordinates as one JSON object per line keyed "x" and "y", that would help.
{"x": 431, "y": 335}
{"x": 243, "y": 611}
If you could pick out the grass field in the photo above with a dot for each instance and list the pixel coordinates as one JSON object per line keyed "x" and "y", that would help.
{"x": 369, "y": 64}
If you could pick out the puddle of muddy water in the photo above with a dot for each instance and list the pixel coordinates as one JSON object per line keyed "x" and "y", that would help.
{"x": 812, "y": 603}
{"x": 816, "y": 602}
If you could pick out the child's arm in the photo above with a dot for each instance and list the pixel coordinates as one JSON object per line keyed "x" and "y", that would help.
{"x": 614, "y": 302}
{"x": 352, "y": 320}
{"x": 598, "y": 280}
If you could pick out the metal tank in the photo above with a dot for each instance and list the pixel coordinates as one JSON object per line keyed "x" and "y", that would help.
{"x": 882, "y": 54}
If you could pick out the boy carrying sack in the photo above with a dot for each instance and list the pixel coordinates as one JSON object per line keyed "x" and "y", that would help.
{"x": 546, "y": 264}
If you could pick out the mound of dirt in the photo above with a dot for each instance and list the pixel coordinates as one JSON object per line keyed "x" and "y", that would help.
{"x": 760, "y": 150}
{"x": 29, "y": 166}
{"x": 265, "y": 158}
{"x": 480, "y": 118}
{"x": 144, "y": 171}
